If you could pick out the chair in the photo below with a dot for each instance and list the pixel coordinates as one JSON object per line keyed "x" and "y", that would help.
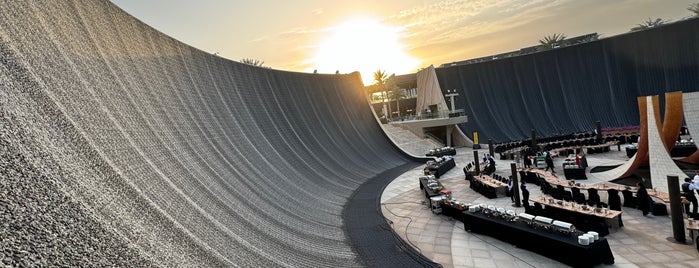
{"x": 537, "y": 209}
{"x": 614, "y": 200}
{"x": 593, "y": 197}
{"x": 629, "y": 200}
{"x": 578, "y": 197}
{"x": 658, "y": 209}
{"x": 557, "y": 192}
{"x": 567, "y": 196}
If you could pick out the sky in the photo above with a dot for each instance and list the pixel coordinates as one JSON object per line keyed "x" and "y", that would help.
{"x": 396, "y": 36}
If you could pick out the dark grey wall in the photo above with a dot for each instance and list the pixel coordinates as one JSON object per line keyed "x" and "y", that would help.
{"x": 566, "y": 90}
{"x": 152, "y": 152}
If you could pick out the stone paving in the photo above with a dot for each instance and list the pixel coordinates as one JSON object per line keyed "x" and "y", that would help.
{"x": 641, "y": 242}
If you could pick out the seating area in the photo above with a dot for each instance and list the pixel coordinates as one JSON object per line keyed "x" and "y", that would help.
{"x": 571, "y": 191}
{"x": 584, "y": 217}
{"x": 683, "y": 149}
{"x": 490, "y": 187}
{"x": 563, "y": 144}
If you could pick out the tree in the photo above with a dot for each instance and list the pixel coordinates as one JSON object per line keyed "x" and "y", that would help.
{"x": 395, "y": 93}
{"x": 552, "y": 41}
{"x": 380, "y": 78}
{"x": 593, "y": 37}
{"x": 649, "y": 23}
{"x": 694, "y": 8}
{"x": 253, "y": 62}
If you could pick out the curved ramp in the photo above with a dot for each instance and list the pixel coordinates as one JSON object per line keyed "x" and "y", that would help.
{"x": 691, "y": 109}
{"x": 150, "y": 152}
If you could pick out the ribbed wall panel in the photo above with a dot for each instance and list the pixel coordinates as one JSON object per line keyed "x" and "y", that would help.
{"x": 182, "y": 157}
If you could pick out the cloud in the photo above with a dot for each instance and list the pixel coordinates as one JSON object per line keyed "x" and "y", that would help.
{"x": 453, "y": 20}
{"x": 263, "y": 38}
{"x": 457, "y": 23}
{"x": 318, "y": 11}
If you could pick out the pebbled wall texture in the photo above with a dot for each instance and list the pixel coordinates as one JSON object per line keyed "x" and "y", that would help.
{"x": 120, "y": 146}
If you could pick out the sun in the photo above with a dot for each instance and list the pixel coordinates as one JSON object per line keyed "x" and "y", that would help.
{"x": 366, "y": 46}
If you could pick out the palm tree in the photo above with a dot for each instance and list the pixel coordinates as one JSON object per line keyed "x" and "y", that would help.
{"x": 593, "y": 37}
{"x": 395, "y": 92}
{"x": 649, "y": 23}
{"x": 252, "y": 62}
{"x": 380, "y": 78}
{"x": 694, "y": 8}
{"x": 552, "y": 41}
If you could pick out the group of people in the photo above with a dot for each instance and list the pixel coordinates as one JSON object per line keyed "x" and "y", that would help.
{"x": 523, "y": 190}
{"x": 547, "y": 159}
{"x": 690, "y": 198}
{"x": 688, "y": 188}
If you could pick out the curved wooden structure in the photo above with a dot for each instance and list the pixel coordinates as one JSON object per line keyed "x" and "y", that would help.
{"x": 672, "y": 123}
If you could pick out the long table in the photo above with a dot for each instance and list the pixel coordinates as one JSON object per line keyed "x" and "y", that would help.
{"x": 427, "y": 190}
{"x": 488, "y": 186}
{"x": 574, "y": 173}
{"x": 556, "y": 246}
{"x": 676, "y": 151}
{"x": 553, "y": 180}
{"x": 441, "y": 152}
{"x": 583, "y": 219}
{"x": 569, "y": 149}
{"x": 438, "y": 169}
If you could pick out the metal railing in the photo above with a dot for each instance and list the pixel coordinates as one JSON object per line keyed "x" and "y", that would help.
{"x": 431, "y": 115}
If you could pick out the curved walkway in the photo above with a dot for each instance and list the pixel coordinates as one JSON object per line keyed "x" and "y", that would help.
{"x": 376, "y": 243}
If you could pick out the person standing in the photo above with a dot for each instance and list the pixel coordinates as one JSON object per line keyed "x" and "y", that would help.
{"x": 688, "y": 188}
{"x": 510, "y": 192}
{"x": 644, "y": 201}
{"x": 549, "y": 163}
{"x": 525, "y": 194}
{"x": 527, "y": 160}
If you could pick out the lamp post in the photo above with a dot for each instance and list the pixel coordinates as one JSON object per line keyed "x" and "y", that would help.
{"x": 451, "y": 95}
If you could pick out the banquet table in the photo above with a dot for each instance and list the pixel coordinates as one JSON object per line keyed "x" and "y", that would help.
{"x": 560, "y": 247}
{"x": 438, "y": 169}
{"x": 488, "y": 187}
{"x": 583, "y": 219}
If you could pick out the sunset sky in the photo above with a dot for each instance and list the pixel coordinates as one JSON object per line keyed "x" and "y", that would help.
{"x": 398, "y": 36}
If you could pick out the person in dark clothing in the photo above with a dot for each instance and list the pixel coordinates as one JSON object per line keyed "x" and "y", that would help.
{"x": 510, "y": 191}
{"x": 688, "y": 189}
{"x": 549, "y": 163}
{"x": 525, "y": 194}
{"x": 527, "y": 160}
{"x": 644, "y": 201}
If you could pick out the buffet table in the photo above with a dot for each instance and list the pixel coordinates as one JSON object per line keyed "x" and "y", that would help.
{"x": 429, "y": 192}
{"x": 439, "y": 152}
{"x": 439, "y": 168}
{"x": 453, "y": 211}
{"x": 574, "y": 173}
{"x": 560, "y": 247}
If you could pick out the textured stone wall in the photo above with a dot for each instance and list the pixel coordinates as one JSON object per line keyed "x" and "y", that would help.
{"x": 122, "y": 146}
{"x": 691, "y": 110}
{"x": 661, "y": 165}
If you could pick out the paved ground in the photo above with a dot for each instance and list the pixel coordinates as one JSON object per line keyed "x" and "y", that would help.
{"x": 642, "y": 242}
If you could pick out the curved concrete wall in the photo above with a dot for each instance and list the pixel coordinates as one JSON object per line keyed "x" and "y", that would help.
{"x": 122, "y": 146}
